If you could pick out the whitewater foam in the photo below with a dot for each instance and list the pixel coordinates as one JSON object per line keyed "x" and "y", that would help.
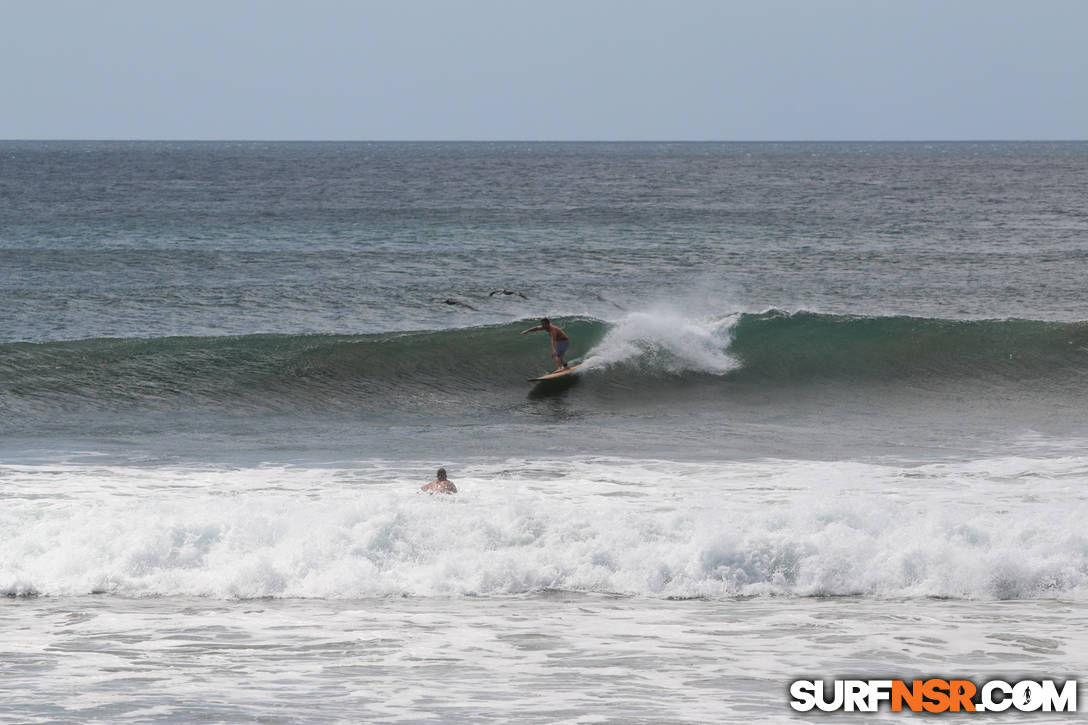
{"x": 998, "y": 528}
{"x": 667, "y": 340}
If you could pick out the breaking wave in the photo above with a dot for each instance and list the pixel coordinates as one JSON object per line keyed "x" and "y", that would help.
{"x": 467, "y": 368}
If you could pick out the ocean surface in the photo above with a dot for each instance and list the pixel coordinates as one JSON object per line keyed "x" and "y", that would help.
{"x": 830, "y": 423}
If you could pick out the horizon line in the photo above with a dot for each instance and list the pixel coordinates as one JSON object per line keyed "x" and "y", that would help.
{"x": 540, "y": 141}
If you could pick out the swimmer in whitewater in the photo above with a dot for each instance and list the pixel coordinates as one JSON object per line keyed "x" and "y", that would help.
{"x": 440, "y": 484}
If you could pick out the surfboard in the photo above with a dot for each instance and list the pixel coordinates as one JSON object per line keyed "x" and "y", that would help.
{"x": 556, "y": 375}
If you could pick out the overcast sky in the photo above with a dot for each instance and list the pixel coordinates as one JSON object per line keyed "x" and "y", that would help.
{"x": 547, "y": 69}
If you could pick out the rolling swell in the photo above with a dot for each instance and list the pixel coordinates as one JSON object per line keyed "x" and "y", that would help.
{"x": 802, "y": 346}
{"x": 481, "y": 367}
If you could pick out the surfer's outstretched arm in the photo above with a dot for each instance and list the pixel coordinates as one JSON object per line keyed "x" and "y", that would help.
{"x": 533, "y": 329}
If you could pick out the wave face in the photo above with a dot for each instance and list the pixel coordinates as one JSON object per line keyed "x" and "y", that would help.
{"x": 805, "y": 346}
{"x": 1002, "y": 528}
{"x": 485, "y": 367}
{"x": 278, "y": 372}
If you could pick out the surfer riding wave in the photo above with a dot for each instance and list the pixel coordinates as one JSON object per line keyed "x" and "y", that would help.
{"x": 560, "y": 341}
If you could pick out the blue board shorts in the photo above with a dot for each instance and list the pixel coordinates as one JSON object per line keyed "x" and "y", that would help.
{"x": 561, "y": 347}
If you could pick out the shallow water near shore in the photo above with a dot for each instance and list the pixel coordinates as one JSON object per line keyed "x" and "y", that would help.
{"x": 544, "y": 658}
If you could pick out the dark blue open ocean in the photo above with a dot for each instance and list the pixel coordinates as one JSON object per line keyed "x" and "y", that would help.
{"x": 831, "y": 419}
